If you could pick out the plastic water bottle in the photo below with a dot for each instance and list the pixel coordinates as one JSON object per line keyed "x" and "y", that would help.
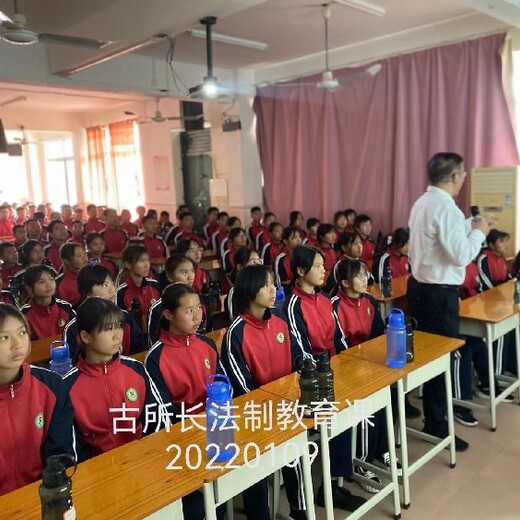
{"x": 280, "y": 298}
{"x": 325, "y": 377}
{"x": 309, "y": 386}
{"x": 396, "y": 339}
{"x": 60, "y": 362}
{"x": 386, "y": 283}
{"x": 219, "y": 432}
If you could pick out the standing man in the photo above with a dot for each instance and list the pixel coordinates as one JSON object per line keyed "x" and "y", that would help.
{"x": 440, "y": 250}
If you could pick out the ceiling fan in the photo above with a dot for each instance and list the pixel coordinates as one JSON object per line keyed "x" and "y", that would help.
{"x": 328, "y": 81}
{"x": 14, "y": 30}
{"x": 158, "y": 117}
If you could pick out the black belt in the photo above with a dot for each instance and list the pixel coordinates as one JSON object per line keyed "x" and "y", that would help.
{"x": 448, "y": 287}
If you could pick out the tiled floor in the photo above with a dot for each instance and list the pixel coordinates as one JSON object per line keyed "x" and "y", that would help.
{"x": 483, "y": 486}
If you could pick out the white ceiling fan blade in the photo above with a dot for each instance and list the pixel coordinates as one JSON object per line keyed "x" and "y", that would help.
{"x": 75, "y": 41}
{"x": 5, "y": 21}
{"x": 363, "y": 5}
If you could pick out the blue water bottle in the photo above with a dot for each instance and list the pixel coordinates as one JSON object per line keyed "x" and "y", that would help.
{"x": 396, "y": 339}
{"x": 219, "y": 432}
{"x": 60, "y": 362}
{"x": 280, "y": 298}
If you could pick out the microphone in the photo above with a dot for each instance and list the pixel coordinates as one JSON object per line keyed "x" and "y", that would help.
{"x": 475, "y": 213}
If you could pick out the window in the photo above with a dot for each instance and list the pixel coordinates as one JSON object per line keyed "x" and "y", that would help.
{"x": 60, "y": 172}
{"x": 13, "y": 174}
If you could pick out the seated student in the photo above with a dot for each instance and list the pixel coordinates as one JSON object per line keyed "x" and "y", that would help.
{"x": 232, "y": 223}
{"x": 137, "y": 286}
{"x": 395, "y": 258}
{"x": 363, "y": 225}
{"x": 96, "y": 281}
{"x": 193, "y": 251}
{"x": 327, "y": 239}
{"x": 182, "y": 360}
{"x": 93, "y": 224}
{"x": 358, "y": 315}
{"x": 103, "y": 379}
{"x": 312, "y": 232}
{"x": 296, "y": 220}
{"x": 257, "y": 349}
{"x": 340, "y": 222}
{"x": 256, "y": 224}
{"x": 20, "y": 235}
{"x": 74, "y": 258}
{"x": 33, "y": 229}
{"x": 291, "y": 239}
{"x": 350, "y": 248}
{"x": 126, "y": 225}
{"x": 78, "y": 233}
{"x": 351, "y": 219}
{"x": 66, "y": 215}
{"x": 115, "y": 238}
{"x": 141, "y": 212}
{"x": 36, "y": 418}
{"x": 237, "y": 239}
{"x": 186, "y": 230}
{"x": 21, "y": 215}
{"x": 6, "y": 224}
{"x": 46, "y": 315}
{"x": 211, "y": 224}
{"x": 263, "y": 236}
{"x": 10, "y": 265}
{"x": 58, "y": 236}
{"x": 165, "y": 224}
{"x": 314, "y": 329}
{"x": 155, "y": 245}
{"x": 221, "y": 233}
{"x": 79, "y": 214}
{"x": 96, "y": 249}
{"x": 274, "y": 246}
{"x": 40, "y": 217}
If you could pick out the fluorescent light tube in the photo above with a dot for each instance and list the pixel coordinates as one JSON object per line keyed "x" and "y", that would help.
{"x": 232, "y": 40}
{"x": 364, "y": 6}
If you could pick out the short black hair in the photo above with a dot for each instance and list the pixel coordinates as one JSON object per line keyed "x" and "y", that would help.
{"x": 400, "y": 238}
{"x": 222, "y": 214}
{"x": 247, "y": 284}
{"x": 91, "y": 236}
{"x": 235, "y": 232}
{"x": 211, "y": 209}
{"x": 148, "y": 217}
{"x": 34, "y": 273}
{"x": 185, "y": 214}
{"x": 173, "y": 261}
{"x": 347, "y": 270}
{"x": 53, "y": 224}
{"x": 67, "y": 250}
{"x": 184, "y": 245}
{"x": 346, "y": 239}
{"x": 4, "y": 246}
{"x": 132, "y": 253}
{"x": 98, "y": 314}
{"x": 361, "y": 219}
{"x": 339, "y": 214}
{"x": 272, "y": 225}
{"x": 268, "y": 214}
{"x": 18, "y": 226}
{"x": 255, "y": 208}
{"x": 496, "y": 234}
{"x": 293, "y": 215}
{"x": 313, "y": 221}
{"x": 91, "y": 275}
{"x": 232, "y": 220}
{"x": 171, "y": 296}
{"x": 323, "y": 229}
{"x": 350, "y": 211}
{"x": 442, "y": 165}
{"x": 289, "y": 231}
{"x": 242, "y": 255}
{"x": 25, "y": 251}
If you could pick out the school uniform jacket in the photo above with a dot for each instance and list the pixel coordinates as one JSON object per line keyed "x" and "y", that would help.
{"x": 105, "y": 262}
{"x": 208, "y": 229}
{"x": 217, "y": 238}
{"x": 17, "y": 285}
{"x": 399, "y": 265}
{"x": 471, "y": 285}
{"x": 52, "y": 252}
{"x": 7, "y": 297}
{"x": 228, "y": 259}
{"x": 311, "y": 242}
{"x": 253, "y": 230}
{"x": 155, "y": 246}
{"x": 370, "y": 280}
{"x": 36, "y": 418}
{"x": 201, "y": 278}
{"x": 358, "y": 318}
{"x": 270, "y": 252}
{"x": 185, "y": 235}
{"x": 257, "y": 351}
{"x": 282, "y": 269}
{"x": 67, "y": 287}
{"x": 115, "y": 239}
{"x": 94, "y": 225}
{"x": 133, "y": 339}
{"x": 7, "y": 273}
{"x": 369, "y": 249}
{"x": 492, "y": 269}
{"x": 147, "y": 294}
{"x": 47, "y": 321}
{"x": 183, "y": 363}
{"x": 313, "y": 324}
{"x": 95, "y": 389}
{"x": 130, "y": 228}
{"x": 331, "y": 257}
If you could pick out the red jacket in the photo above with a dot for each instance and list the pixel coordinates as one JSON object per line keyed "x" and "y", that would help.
{"x": 228, "y": 259}
{"x": 208, "y": 229}
{"x": 130, "y": 228}
{"x": 369, "y": 249}
{"x": 253, "y": 230}
{"x": 493, "y": 269}
{"x": 67, "y": 287}
{"x": 183, "y": 363}
{"x": 52, "y": 252}
{"x": 270, "y": 252}
{"x": 217, "y": 238}
{"x": 36, "y": 422}
{"x": 399, "y": 265}
{"x": 156, "y": 247}
{"x": 201, "y": 278}
{"x": 115, "y": 240}
{"x": 96, "y": 389}
{"x": 255, "y": 352}
{"x": 147, "y": 294}
{"x": 185, "y": 235}
{"x": 106, "y": 262}
{"x": 94, "y": 225}
{"x": 312, "y": 323}
{"x": 311, "y": 242}
{"x": 331, "y": 257}
{"x": 358, "y": 318}
{"x": 471, "y": 285}
{"x": 47, "y": 321}
{"x": 6, "y": 228}
{"x": 8, "y": 272}
{"x": 282, "y": 269}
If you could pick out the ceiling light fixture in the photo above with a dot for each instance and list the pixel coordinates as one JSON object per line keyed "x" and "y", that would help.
{"x": 362, "y": 5}
{"x": 232, "y": 40}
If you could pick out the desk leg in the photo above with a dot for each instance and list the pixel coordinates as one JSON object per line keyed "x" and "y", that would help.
{"x": 325, "y": 461}
{"x": 491, "y": 372}
{"x": 307, "y": 483}
{"x": 404, "y": 444}
{"x": 209, "y": 501}
{"x": 393, "y": 459}
{"x": 449, "y": 406}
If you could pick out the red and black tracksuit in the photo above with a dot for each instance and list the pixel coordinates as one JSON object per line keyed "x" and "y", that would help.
{"x": 201, "y": 278}
{"x": 330, "y": 258}
{"x": 369, "y": 248}
{"x": 52, "y": 252}
{"x": 36, "y": 423}
{"x": 131, "y": 229}
{"x": 115, "y": 239}
{"x": 271, "y": 251}
{"x": 399, "y": 265}
{"x": 217, "y": 238}
{"x": 98, "y": 394}
{"x": 258, "y": 351}
{"x": 253, "y": 230}
{"x": 147, "y": 294}
{"x": 155, "y": 246}
{"x": 182, "y": 234}
{"x": 310, "y": 241}
{"x": 7, "y": 297}
{"x": 94, "y": 225}
{"x": 106, "y": 262}
{"x": 282, "y": 269}
{"x": 7, "y": 273}
{"x": 47, "y": 321}
{"x": 209, "y": 228}
{"x": 228, "y": 259}
{"x": 314, "y": 328}
{"x": 67, "y": 287}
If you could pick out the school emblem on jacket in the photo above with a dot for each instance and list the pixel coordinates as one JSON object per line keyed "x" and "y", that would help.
{"x": 61, "y": 323}
{"x": 131, "y": 394}
{"x": 280, "y": 337}
{"x": 207, "y": 363}
{"x": 39, "y": 421}
{"x": 152, "y": 301}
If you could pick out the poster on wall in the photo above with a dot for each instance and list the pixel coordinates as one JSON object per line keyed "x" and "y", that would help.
{"x": 161, "y": 173}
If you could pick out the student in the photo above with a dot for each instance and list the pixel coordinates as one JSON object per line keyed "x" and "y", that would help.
{"x": 211, "y": 224}
{"x": 256, "y": 225}
{"x": 363, "y": 225}
{"x": 21, "y": 215}
{"x": 193, "y": 251}
{"x": 220, "y": 234}
{"x": 126, "y": 225}
{"x": 351, "y": 219}
{"x": 137, "y": 284}
{"x": 257, "y": 349}
{"x": 35, "y": 408}
{"x": 164, "y": 224}
{"x": 340, "y": 222}
{"x": 74, "y": 258}
{"x": 103, "y": 379}
{"x": 20, "y": 235}
{"x": 93, "y": 224}
{"x": 358, "y": 316}
{"x": 115, "y": 238}
{"x": 314, "y": 329}
{"x": 10, "y": 265}
{"x": 58, "y": 235}
{"x": 66, "y": 216}
{"x": 78, "y": 233}
{"x": 395, "y": 258}
{"x": 141, "y": 212}
{"x": 263, "y": 236}
{"x": 79, "y": 214}
{"x": 237, "y": 239}
{"x": 6, "y": 224}
{"x": 350, "y": 248}
{"x": 33, "y": 229}
{"x": 327, "y": 239}
{"x": 291, "y": 239}
{"x": 46, "y": 315}
{"x": 296, "y": 220}
{"x": 312, "y": 232}
{"x": 186, "y": 230}
{"x": 274, "y": 246}
{"x": 96, "y": 249}
{"x": 155, "y": 246}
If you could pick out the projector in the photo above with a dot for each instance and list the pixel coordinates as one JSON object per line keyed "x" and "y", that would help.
{"x": 231, "y": 125}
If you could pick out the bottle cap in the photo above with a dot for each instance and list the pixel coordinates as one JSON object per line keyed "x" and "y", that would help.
{"x": 324, "y": 362}
{"x": 59, "y": 351}
{"x": 218, "y": 388}
{"x": 396, "y": 318}
{"x": 308, "y": 370}
{"x": 54, "y": 474}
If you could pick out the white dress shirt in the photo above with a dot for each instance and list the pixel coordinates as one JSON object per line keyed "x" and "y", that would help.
{"x": 440, "y": 245}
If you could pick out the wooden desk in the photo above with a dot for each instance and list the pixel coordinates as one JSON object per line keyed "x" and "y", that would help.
{"x": 217, "y": 336}
{"x": 432, "y": 358}
{"x": 490, "y": 315}
{"x": 210, "y": 263}
{"x": 398, "y": 298}
{"x": 40, "y": 349}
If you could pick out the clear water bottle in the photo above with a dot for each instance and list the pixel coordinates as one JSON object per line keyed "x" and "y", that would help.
{"x": 280, "y": 298}
{"x": 396, "y": 339}
{"x": 219, "y": 432}
{"x": 386, "y": 283}
{"x": 60, "y": 362}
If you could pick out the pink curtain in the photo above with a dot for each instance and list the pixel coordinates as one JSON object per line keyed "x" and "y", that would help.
{"x": 366, "y": 146}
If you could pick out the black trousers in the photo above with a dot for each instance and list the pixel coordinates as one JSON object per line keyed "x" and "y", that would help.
{"x": 436, "y": 309}
{"x": 372, "y": 439}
